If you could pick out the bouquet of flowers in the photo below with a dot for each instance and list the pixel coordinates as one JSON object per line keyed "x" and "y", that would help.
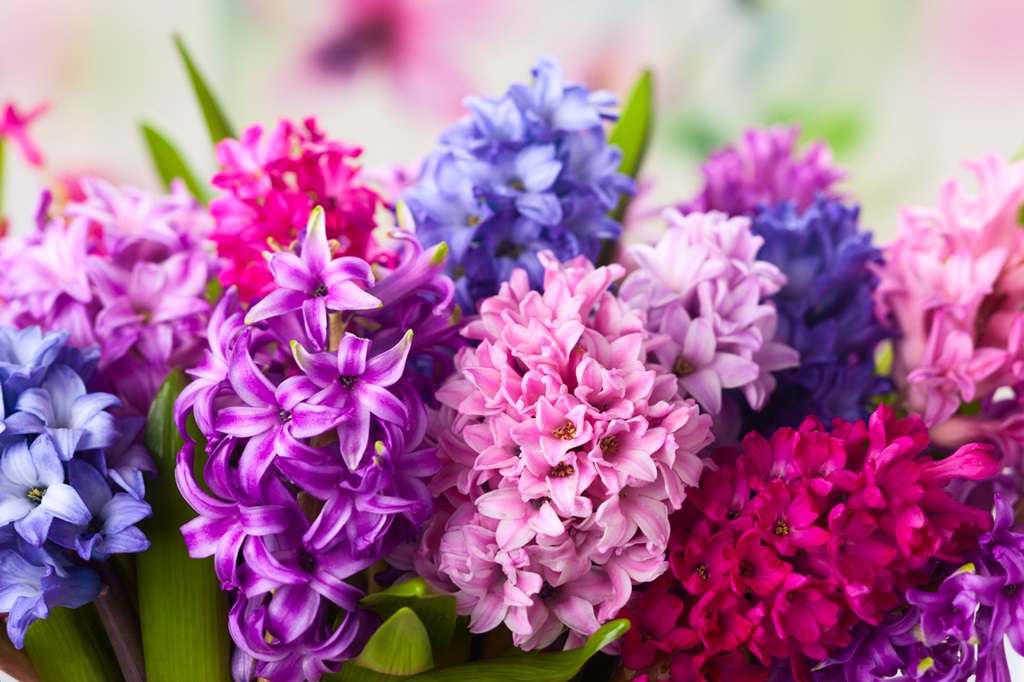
{"x": 305, "y": 422}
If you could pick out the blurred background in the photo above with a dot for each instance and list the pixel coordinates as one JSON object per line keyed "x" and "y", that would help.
{"x": 902, "y": 90}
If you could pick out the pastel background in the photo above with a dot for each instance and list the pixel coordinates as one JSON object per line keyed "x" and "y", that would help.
{"x": 902, "y": 90}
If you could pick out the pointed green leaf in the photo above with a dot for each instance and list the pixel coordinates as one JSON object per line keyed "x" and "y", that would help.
{"x": 71, "y": 646}
{"x": 632, "y": 132}
{"x": 183, "y": 610}
{"x": 400, "y": 646}
{"x": 216, "y": 122}
{"x": 560, "y": 666}
{"x": 170, "y": 164}
{"x": 436, "y": 611}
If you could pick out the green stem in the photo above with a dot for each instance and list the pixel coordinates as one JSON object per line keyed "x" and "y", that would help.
{"x": 70, "y": 646}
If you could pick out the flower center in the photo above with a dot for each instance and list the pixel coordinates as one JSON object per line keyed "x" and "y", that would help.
{"x": 347, "y": 381}
{"x": 565, "y": 432}
{"x": 547, "y": 590}
{"x": 473, "y": 220}
{"x": 682, "y": 367}
{"x": 562, "y": 470}
{"x": 746, "y": 569}
{"x": 517, "y": 185}
{"x": 538, "y": 502}
{"x": 36, "y": 495}
{"x": 459, "y": 271}
{"x": 1010, "y": 590}
{"x": 701, "y": 571}
{"x": 732, "y": 515}
{"x": 609, "y": 444}
{"x": 94, "y": 527}
{"x": 320, "y": 291}
{"x": 781, "y": 528}
{"x": 508, "y": 249}
{"x": 285, "y": 416}
{"x": 307, "y": 562}
{"x": 645, "y": 636}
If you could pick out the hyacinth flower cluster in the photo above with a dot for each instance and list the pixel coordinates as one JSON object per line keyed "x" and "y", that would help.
{"x": 271, "y": 183}
{"x": 705, "y": 296}
{"x": 954, "y": 628}
{"x": 524, "y": 172}
{"x": 312, "y": 405}
{"x": 123, "y": 270}
{"x": 764, "y": 169}
{"x": 793, "y": 541}
{"x": 952, "y": 288}
{"x": 825, "y": 312}
{"x": 563, "y": 452}
{"x": 66, "y": 499}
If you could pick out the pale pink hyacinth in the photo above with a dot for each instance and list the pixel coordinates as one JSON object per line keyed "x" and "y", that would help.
{"x": 953, "y": 285}
{"x": 703, "y": 293}
{"x": 563, "y": 452}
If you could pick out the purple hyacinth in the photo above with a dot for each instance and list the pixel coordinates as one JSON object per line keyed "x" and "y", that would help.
{"x": 70, "y": 486}
{"x": 525, "y": 172}
{"x": 825, "y": 313}
{"x": 318, "y": 453}
{"x": 763, "y": 169}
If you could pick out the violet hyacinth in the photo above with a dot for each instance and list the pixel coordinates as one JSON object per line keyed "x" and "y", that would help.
{"x": 313, "y": 409}
{"x": 825, "y": 313}
{"x": 122, "y": 270}
{"x": 61, "y": 506}
{"x": 563, "y": 451}
{"x": 528, "y": 171}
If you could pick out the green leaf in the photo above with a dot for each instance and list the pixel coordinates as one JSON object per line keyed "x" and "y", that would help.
{"x": 400, "y": 646}
{"x": 216, "y": 122}
{"x": 71, "y": 646}
{"x": 183, "y": 610}
{"x": 560, "y": 666}
{"x": 169, "y": 163}
{"x": 632, "y": 132}
{"x": 436, "y": 611}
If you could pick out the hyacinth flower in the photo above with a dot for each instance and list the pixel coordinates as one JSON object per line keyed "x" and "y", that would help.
{"x": 705, "y": 297}
{"x": 120, "y": 270}
{"x": 313, "y": 406}
{"x": 762, "y": 170}
{"x": 563, "y": 451}
{"x": 271, "y": 183}
{"x": 791, "y": 542}
{"x": 825, "y": 312}
{"x": 951, "y": 288}
{"x": 524, "y": 172}
{"x": 62, "y": 511}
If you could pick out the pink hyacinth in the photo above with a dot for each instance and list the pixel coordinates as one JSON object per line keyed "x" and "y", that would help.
{"x": 271, "y": 183}
{"x": 764, "y": 169}
{"x": 789, "y": 542}
{"x": 953, "y": 286}
{"x": 704, "y": 293}
{"x": 563, "y": 452}
{"x": 121, "y": 269}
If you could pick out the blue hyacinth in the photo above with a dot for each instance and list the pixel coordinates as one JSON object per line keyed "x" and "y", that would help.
{"x": 66, "y": 501}
{"x": 528, "y": 171}
{"x": 825, "y": 312}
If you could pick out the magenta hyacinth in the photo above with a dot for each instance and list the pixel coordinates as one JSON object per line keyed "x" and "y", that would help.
{"x": 314, "y": 410}
{"x": 563, "y": 452}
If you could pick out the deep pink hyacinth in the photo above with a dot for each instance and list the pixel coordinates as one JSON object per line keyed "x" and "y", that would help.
{"x": 563, "y": 452}
{"x": 14, "y": 128}
{"x": 953, "y": 286}
{"x": 271, "y": 184}
{"x": 703, "y": 293}
{"x": 793, "y": 540}
{"x": 764, "y": 169}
